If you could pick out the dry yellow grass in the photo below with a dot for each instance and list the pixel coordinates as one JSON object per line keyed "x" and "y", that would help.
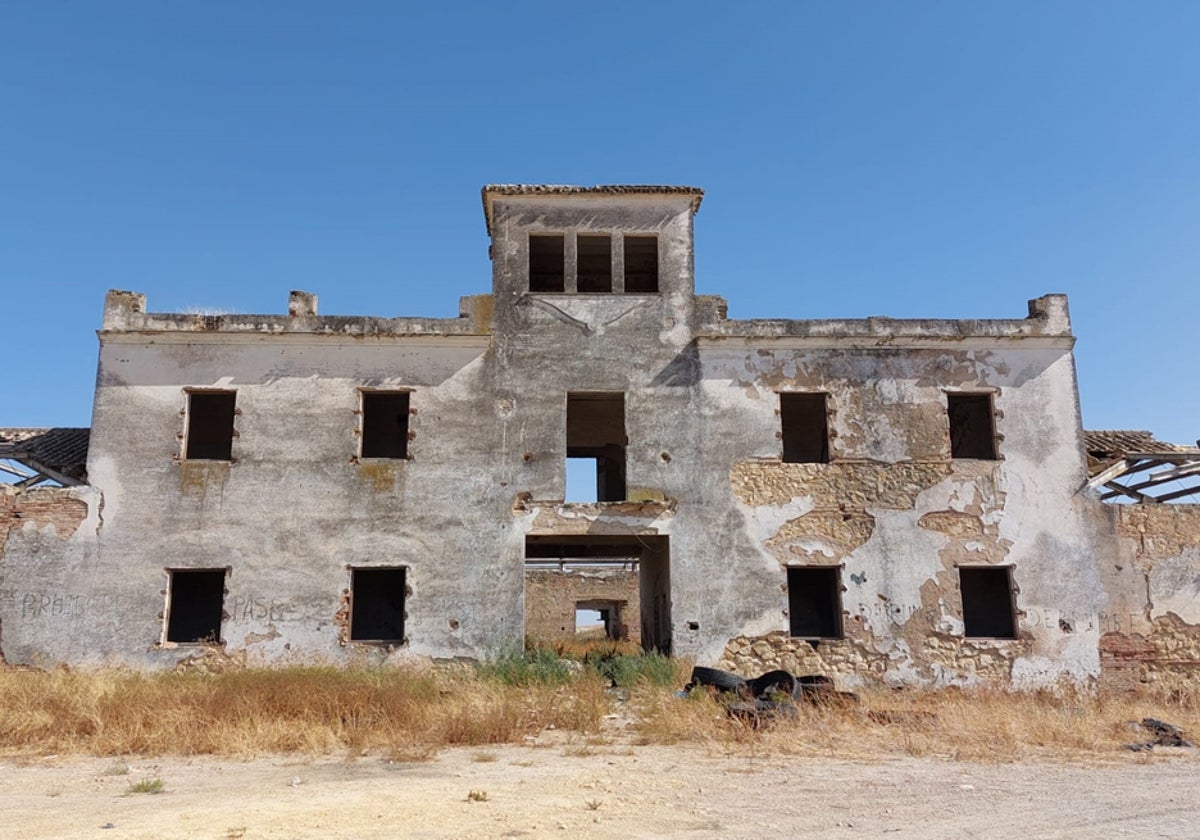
{"x": 409, "y": 715}
{"x": 581, "y": 646}
{"x": 312, "y": 710}
{"x": 980, "y": 724}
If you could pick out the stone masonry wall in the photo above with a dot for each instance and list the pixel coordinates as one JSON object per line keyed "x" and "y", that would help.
{"x": 1159, "y": 649}
{"x": 551, "y": 597}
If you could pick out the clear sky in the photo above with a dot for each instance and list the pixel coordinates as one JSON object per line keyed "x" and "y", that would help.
{"x": 948, "y": 159}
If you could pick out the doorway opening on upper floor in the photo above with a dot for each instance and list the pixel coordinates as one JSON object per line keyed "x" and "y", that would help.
{"x": 596, "y": 436}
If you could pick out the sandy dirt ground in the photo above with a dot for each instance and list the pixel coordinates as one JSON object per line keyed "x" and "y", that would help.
{"x": 573, "y": 790}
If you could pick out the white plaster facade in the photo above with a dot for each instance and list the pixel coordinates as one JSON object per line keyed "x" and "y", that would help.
{"x": 710, "y": 508}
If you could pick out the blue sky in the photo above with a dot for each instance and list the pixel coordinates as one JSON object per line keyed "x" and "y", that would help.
{"x": 871, "y": 158}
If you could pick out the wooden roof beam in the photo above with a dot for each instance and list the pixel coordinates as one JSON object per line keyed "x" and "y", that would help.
{"x": 1179, "y": 494}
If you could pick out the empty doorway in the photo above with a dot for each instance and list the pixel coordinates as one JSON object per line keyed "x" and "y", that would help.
{"x": 637, "y": 604}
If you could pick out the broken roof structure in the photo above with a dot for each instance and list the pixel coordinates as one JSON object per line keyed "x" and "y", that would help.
{"x": 1120, "y": 463}
{"x": 899, "y": 501}
{"x": 44, "y": 455}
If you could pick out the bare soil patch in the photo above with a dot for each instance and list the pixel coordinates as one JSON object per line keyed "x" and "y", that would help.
{"x": 568, "y": 788}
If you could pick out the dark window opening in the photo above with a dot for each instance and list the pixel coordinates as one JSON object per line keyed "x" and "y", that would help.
{"x": 815, "y": 601}
{"x": 596, "y": 430}
{"x": 987, "y": 598}
{"x": 972, "y": 430}
{"x": 384, "y": 424}
{"x": 377, "y": 605}
{"x": 546, "y": 260}
{"x": 641, "y": 265}
{"x": 594, "y": 263}
{"x": 194, "y": 606}
{"x": 805, "y": 426}
{"x": 209, "y": 431}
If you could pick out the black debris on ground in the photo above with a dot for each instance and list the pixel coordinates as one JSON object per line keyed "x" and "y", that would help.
{"x": 771, "y": 696}
{"x": 1165, "y": 735}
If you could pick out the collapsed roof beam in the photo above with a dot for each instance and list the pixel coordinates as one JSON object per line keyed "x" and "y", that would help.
{"x": 1189, "y": 468}
{"x": 1153, "y": 482}
{"x": 39, "y": 472}
{"x": 18, "y": 471}
{"x": 1178, "y": 494}
{"x": 1119, "y": 490}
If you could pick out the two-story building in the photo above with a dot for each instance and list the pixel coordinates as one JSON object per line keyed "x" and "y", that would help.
{"x": 901, "y": 500}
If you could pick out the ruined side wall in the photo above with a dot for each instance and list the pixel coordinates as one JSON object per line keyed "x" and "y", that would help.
{"x": 1152, "y": 633}
{"x": 293, "y": 510}
{"x": 47, "y": 537}
{"x": 551, "y": 597}
{"x": 898, "y": 515}
{"x": 56, "y": 508}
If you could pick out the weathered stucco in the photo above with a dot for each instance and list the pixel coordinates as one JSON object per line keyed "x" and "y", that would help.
{"x": 711, "y": 513}
{"x": 1152, "y": 636}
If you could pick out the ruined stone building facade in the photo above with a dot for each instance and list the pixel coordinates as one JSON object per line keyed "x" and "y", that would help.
{"x": 909, "y": 501}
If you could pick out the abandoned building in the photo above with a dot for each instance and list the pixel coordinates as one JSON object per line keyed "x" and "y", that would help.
{"x": 904, "y": 501}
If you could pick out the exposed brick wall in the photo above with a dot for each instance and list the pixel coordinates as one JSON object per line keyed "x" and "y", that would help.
{"x": 551, "y": 596}
{"x": 52, "y": 506}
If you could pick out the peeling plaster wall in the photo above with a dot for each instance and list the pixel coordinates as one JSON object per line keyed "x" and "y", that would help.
{"x": 48, "y": 547}
{"x": 899, "y": 515}
{"x": 1152, "y": 632}
{"x": 295, "y": 508}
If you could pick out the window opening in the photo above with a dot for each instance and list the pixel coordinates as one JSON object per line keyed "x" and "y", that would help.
{"x": 209, "y": 432}
{"x": 594, "y": 263}
{"x": 972, "y": 429}
{"x": 195, "y": 602}
{"x": 641, "y": 264}
{"x": 599, "y": 619}
{"x": 590, "y": 622}
{"x": 596, "y": 431}
{"x": 377, "y": 598}
{"x": 815, "y": 601}
{"x": 987, "y": 599}
{"x": 384, "y": 424}
{"x": 581, "y": 480}
{"x": 805, "y": 426}
{"x": 546, "y": 261}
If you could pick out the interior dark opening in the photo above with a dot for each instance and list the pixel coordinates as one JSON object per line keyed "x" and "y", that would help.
{"x": 653, "y": 562}
{"x": 972, "y": 433}
{"x": 641, "y": 264}
{"x": 594, "y": 263}
{"x": 195, "y": 605}
{"x": 384, "y": 424}
{"x": 596, "y": 429}
{"x": 546, "y": 261}
{"x": 210, "y": 425}
{"x": 377, "y": 605}
{"x": 987, "y": 599}
{"x": 815, "y": 601}
{"x": 805, "y": 427}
